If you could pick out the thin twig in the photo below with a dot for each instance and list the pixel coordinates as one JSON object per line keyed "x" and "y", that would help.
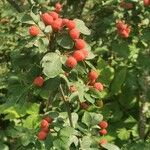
{"x": 67, "y": 105}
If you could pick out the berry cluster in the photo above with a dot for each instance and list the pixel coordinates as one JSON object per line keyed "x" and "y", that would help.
{"x": 38, "y": 81}
{"x": 93, "y": 75}
{"x": 146, "y": 2}
{"x": 103, "y": 125}
{"x": 125, "y": 5}
{"x": 44, "y": 128}
{"x": 123, "y": 29}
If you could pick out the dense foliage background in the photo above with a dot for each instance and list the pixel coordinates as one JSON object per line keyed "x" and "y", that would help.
{"x": 123, "y": 63}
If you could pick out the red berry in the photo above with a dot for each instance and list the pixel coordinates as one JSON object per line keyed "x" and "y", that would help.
{"x": 71, "y": 62}
{"x": 84, "y": 105}
{"x": 146, "y": 2}
{"x": 49, "y": 119}
{"x": 78, "y": 55}
{"x": 45, "y": 129}
{"x": 121, "y": 25}
{"x": 73, "y": 88}
{"x": 74, "y": 33}
{"x": 98, "y": 86}
{"x": 47, "y": 19}
{"x": 58, "y": 7}
{"x": 103, "y": 124}
{"x": 93, "y": 75}
{"x": 44, "y": 124}
{"x": 42, "y": 135}
{"x": 79, "y": 44}
{"x": 57, "y": 24}
{"x": 38, "y": 81}
{"x": 64, "y": 21}
{"x": 34, "y": 30}
{"x": 103, "y": 141}
{"x": 103, "y": 132}
{"x": 54, "y": 15}
{"x": 71, "y": 24}
{"x": 129, "y": 5}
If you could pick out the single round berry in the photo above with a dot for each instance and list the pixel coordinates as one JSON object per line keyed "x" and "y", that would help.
{"x": 79, "y": 44}
{"x": 49, "y": 119}
{"x": 71, "y": 24}
{"x": 45, "y": 129}
{"x": 74, "y": 33}
{"x": 64, "y": 21}
{"x": 84, "y": 105}
{"x": 34, "y": 30}
{"x": 146, "y": 2}
{"x": 85, "y": 52}
{"x": 54, "y": 15}
{"x": 103, "y": 124}
{"x": 78, "y": 55}
{"x": 44, "y": 124}
{"x": 103, "y": 141}
{"x": 42, "y": 135}
{"x": 98, "y": 86}
{"x": 93, "y": 75}
{"x": 103, "y": 132}
{"x": 57, "y": 24}
{"x": 73, "y": 88}
{"x": 71, "y": 62}
{"x": 38, "y": 81}
{"x": 58, "y": 7}
{"x": 47, "y": 19}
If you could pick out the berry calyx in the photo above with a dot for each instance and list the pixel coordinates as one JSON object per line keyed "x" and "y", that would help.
{"x": 49, "y": 119}
{"x": 98, "y": 86}
{"x": 103, "y": 132}
{"x": 38, "y": 81}
{"x": 71, "y": 24}
{"x": 79, "y": 44}
{"x": 47, "y": 19}
{"x": 74, "y": 33}
{"x": 103, "y": 141}
{"x": 71, "y": 62}
{"x": 73, "y": 88}
{"x": 54, "y": 15}
{"x": 44, "y": 124}
{"x": 93, "y": 75}
{"x": 34, "y": 30}
{"x": 84, "y": 105}
{"x": 78, "y": 55}
{"x": 42, "y": 135}
{"x": 103, "y": 124}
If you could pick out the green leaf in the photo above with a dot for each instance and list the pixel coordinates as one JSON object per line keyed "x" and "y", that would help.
{"x": 51, "y": 64}
{"x": 65, "y": 41}
{"x": 48, "y": 29}
{"x": 36, "y": 18}
{"x": 109, "y": 146}
{"x": 3, "y": 146}
{"x": 123, "y": 134}
{"x": 119, "y": 79}
{"x": 81, "y": 26}
{"x": 41, "y": 25}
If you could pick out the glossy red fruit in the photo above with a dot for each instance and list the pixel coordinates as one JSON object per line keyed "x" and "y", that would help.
{"x": 54, "y": 15}
{"x": 34, "y": 30}
{"x": 146, "y": 2}
{"x": 58, "y": 7}
{"x": 71, "y": 62}
{"x": 74, "y": 33}
{"x": 57, "y": 24}
{"x": 49, "y": 119}
{"x": 64, "y": 21}
{"x": 103, "y": 141}
{"x": 98, "y": 86}
{"x": 71, "y": 24}
{"x": 85, "y": 52}
{"x": 44, "y": 124}
{"x": 79, "y": 44}
{"x": 78, "y": 55}
{"x": 121, "y": 25}
{"x": 103, "y": 132}
{"x": 84, "y": 105}
{"x": 103, "y": 124}
{"x": 42, "y": 135}
{"x": 45, "y": 129}
{"x": 47, "y": 19}
{"x": 38, "y": 81}
{"x": 73, "y": 88}
{"x": 93, "y": 75}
